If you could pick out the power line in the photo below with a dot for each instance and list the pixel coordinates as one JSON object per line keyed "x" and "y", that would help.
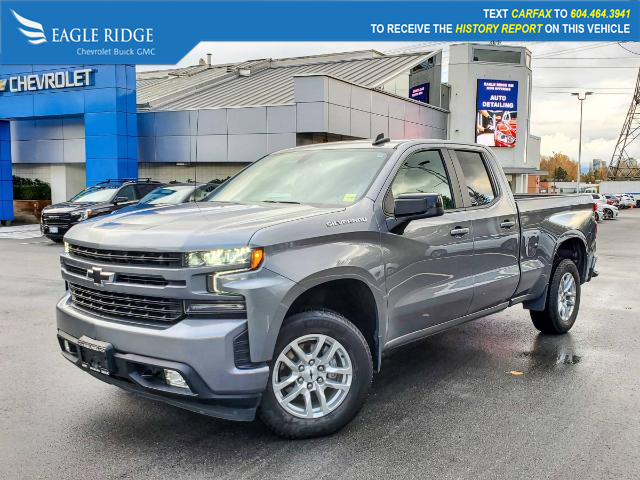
{"x": 625, "y": 48}
{"x": 582, "y": 87}
{"x": 586, "y": 58}
{"x": 581, "y": 48}
{"x": 591, "y": 67}
{"x": 597, "y": 93}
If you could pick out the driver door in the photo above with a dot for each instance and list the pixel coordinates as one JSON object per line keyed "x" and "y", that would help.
{"x": 428, "y": 264}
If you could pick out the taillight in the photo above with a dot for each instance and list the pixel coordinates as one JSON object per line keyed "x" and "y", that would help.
{"x": 595, "y": 207}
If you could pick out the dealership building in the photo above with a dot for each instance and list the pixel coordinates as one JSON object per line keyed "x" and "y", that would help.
{"x": 77, "y": 125}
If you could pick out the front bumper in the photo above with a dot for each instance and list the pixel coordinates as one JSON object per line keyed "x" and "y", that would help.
{"x": 201, "y": 349}
{"x": 61, "y": 230}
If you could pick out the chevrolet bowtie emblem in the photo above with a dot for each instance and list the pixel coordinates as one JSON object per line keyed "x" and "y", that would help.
{"x": 2, "y": 85}
{"x": 98, "y": 276}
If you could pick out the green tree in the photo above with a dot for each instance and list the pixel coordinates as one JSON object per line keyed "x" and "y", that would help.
{"x": 560, "y": 175}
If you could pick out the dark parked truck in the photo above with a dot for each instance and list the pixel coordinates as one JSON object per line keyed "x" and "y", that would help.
{"x": 100, "y": 199}
{"x": 280, "y": 293}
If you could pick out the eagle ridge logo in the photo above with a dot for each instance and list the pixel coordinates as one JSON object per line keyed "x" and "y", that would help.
{"x": 36, "y": 32}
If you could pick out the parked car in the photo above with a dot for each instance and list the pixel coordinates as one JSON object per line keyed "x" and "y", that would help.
{"x": 280, "y": 294}
{"x": 603, "y": 211}
{"x": 100, "y": 199}
{"x": 172, "y": 194}
{"x": 612, "y": 200}
{"x": 626, "y": 201}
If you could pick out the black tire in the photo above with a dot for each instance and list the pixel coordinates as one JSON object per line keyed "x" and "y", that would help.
{"x": 549, "y": 319}
{"x": 607, "y": 214}
{"x": 337, "y": 327}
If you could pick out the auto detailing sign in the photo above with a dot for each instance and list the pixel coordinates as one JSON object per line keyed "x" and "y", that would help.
{"x": 497, "y": 113}
{"x": 47, "y": 81}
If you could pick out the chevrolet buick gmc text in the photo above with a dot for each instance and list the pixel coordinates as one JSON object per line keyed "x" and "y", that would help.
{"x": 279, "y": 294}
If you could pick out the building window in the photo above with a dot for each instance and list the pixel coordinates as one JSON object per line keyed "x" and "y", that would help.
{"x": 496, "y": 56}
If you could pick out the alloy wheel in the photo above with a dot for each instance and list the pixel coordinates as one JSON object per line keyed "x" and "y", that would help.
{"x": 566, "y": 296}
{"x": 312, "y": 376}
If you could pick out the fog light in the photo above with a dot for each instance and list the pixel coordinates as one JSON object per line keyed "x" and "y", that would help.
{"x": 174, "y": 378}
{"x": 67, "y": 347}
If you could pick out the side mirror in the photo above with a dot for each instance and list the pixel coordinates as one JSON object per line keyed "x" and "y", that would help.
{"x": 412, "y": 206}
{"x": 119, "y": 200}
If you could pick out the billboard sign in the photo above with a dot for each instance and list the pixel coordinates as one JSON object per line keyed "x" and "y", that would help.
{"x": 420, "y": 93}
{"x": 497, "y": 113}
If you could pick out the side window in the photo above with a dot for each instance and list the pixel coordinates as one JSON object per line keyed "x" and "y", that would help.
{"x": 127, "y": 191}
{"x": 479, "y": 186}
{"x": 424, "y": 172}
{"x": 144, "y": 189}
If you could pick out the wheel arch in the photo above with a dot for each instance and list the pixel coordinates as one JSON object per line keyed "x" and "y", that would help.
{"x": 347, "y": 292}
{"x": 573, "y": 247}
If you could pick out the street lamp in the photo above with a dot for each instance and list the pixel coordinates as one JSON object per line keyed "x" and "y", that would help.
{"x": 581, "y": 96}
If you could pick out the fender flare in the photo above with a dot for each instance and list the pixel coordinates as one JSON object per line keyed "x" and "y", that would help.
{"x": 376, "y": 286}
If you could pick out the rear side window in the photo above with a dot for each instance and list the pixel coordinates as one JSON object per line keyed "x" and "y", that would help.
{"x": 128, "y": 192}
{"x": 143, "y": 189}
{"x": 479, "y": 187}
{"x": 424, "y": 172}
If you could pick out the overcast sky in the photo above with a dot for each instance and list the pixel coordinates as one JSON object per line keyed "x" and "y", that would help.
{"x": 559, "y": 68}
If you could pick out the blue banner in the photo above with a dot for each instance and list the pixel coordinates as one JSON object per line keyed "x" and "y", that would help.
{"x": 146, "y": 32}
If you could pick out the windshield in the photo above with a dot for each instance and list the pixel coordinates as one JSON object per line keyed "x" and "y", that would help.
{"x": 317, "y": 177}
{"x": 95, "y": 195}
{"x": 167, "y": 195}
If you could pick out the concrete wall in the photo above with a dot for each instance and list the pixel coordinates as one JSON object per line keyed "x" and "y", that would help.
{"x": 245, "y": 134}
{"x": 220, "y": 135}
{"x": 326, "y": 104}
{"x": 50, "y": 140}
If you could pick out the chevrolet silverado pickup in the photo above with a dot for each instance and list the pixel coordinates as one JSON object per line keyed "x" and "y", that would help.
{"x": 278, "y": 295}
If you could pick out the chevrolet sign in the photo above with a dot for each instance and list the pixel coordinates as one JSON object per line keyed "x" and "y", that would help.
{"x": 47, "y": 81}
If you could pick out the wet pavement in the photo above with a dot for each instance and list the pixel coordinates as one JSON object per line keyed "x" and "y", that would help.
{"x": 489, "y": 399}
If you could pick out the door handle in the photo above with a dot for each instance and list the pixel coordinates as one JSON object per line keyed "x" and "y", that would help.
{"x": 459, "y": 231}
{"x": 508, "y": 224}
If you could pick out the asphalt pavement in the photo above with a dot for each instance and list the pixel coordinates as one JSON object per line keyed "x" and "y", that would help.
{"x": 446, "y": 408}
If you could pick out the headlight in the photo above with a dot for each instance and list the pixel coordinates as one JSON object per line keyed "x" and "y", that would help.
{"x": 82, "y": 215}
{"x": 66, "y": 247}
{"x": 233, "y": 258}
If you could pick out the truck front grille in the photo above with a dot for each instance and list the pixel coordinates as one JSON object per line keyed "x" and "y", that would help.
{"x": 131, "y": 307}
{"x": 56, "y": 218}
{"x": 128, "y": 257}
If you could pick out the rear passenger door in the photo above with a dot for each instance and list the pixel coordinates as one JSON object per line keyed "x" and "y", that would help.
{"x": 428, "y": 262}
{"x": 494, "y": 219}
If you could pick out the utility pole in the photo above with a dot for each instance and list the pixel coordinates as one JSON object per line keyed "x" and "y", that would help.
{"x": 581, "y": 97}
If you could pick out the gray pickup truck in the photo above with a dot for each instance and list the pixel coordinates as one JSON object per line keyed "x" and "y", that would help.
{"x": 280, "y": 293}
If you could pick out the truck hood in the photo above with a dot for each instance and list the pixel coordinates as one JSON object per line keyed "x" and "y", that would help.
{"x": 66, "y": 207}
{"x": 188, "y": 226}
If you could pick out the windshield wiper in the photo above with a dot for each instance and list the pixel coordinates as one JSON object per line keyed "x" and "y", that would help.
{"x": 280, "y": 201}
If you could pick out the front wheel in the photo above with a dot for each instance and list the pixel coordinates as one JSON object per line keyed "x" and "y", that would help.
{"x": 608, "y": 214}
{"x": 563, "y": 300}
{"x": 319, "y": 378}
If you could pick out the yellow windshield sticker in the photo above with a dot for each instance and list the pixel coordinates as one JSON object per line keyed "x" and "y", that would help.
{"x": 349, "y": 197}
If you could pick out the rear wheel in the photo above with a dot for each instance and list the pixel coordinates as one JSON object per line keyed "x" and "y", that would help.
{"x": 563, "y": 300}
{"x": 320, "y": 376}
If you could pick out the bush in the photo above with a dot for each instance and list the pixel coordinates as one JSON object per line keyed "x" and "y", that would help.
{"x": 27, "y": 189}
